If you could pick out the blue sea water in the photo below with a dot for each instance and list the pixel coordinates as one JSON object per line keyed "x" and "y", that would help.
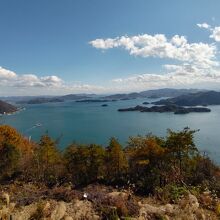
{"x": 92, "y": 123}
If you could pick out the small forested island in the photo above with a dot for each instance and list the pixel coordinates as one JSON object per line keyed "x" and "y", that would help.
{"x": 96, "y": 100}
{"x": 149, "y": 178}
{"x": 166, "y": 108}
{"x": 6, "y": 108}
{"x": 146, "y": 103}
{"x": 193, "y": 99}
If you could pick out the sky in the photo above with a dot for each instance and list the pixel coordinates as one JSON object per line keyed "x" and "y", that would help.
{"x": 56, "y": 47}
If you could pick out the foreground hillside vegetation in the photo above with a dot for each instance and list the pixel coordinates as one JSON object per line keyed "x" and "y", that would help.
{"x": 150, "y": 178}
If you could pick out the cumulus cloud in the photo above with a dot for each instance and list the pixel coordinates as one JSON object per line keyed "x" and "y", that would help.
{"x": 204, "y": 25}
{"x": 6, "y": 74}
{"x": 215, "y": 31}
{"x": 194, "y": 64}
{"x": 41, "y": 85}
{"x": 175, "y": 76}
{"x": 10, "y": 78}
{"x": 216, "y": 34}
{"x": 197, "y": 62}
{"x": 30, "y": 80}
{"x": 176, "y": 48}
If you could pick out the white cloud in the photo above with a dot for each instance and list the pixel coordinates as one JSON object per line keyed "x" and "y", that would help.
{"x": 184, "y": 75}
{"x": 176, "y": 48}
{"x": 10, "y": 78}
{"x": 30, "y": 80}
{"x": 197, "y": 62}
{"x": 216, "y": 34}
{"x": 204, "y": 25}
{"x": 6, "y": 74}
{"x": 196, "y": 65}
{"x": 15, "y": 83}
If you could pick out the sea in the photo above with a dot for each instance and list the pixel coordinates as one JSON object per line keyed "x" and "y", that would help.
{"x": 84, "y": 123}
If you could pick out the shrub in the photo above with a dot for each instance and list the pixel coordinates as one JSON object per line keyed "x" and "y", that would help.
{"x": 9, "y": 158}
{"x": 171, "y": 193}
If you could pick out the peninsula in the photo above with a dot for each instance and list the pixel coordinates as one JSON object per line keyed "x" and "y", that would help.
{"x": 6, "y": 108}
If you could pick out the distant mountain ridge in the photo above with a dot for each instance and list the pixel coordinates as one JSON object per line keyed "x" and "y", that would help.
{"x": 193, "y": 99}
{"x": 6, "y": 108}
{"x": 156, "y": 93}
{"x": 41, "y": 100}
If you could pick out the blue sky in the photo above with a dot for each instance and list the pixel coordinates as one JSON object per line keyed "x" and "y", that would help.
{"x": 49, "y": 47}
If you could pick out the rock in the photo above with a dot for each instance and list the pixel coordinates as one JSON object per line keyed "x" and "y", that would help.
{"x": 59, "y": 211}
{"x": 12, "y": 206}
{"x": 25, "y": 212}
{"x": 123, "y": 195}
{"x": 6, "y": 197}
{"x": 162, "y": 210}
{"x": 200, "y": 215}
{"x": 190, "y": 202}
{"x": 68, "y": 218}
{"x": 146, "y": 211}
{"x": 4, "y": 212}
{"x": 82, "y": 209}
{"x": 46, "y": 209}
{"x": 169, "y": 208}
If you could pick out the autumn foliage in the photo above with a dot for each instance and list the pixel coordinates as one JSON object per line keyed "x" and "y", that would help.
{"x": 145, "y": 164}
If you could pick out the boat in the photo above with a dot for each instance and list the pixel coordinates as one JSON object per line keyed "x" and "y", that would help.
{"x": 38, "y": 125}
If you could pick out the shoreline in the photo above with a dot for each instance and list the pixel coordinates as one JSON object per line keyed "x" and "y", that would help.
{"x": 14, "y": 112}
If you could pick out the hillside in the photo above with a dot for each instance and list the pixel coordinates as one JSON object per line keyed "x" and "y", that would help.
{"x": 6, "y": 108}
{"x": 193, "y": 99}
{"x": 76, "y": 96}
{"x": 149, "y": 178}
{"x": 156, "y": 93}
{"x": 41, "y": 100}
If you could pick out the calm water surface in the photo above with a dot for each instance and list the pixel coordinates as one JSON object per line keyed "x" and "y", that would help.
{"x": 91, "y": 123}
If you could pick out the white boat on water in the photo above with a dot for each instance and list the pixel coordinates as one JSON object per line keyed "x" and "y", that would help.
{"x": 38, "y": 125}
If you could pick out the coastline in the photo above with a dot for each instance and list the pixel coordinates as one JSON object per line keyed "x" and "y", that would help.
{"x": 20, "y": 109}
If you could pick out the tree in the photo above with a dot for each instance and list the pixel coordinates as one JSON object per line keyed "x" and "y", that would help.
{"x": 96, "y": 155}
{"x": 16, "y": 150}
{"x": 116, "y": 163}
{"x": 9, "y": 158}
{"x": 181, "y": 151}
{"x": 48, "y": 160}
{"x": 146, "y": 163}
{"x": 84, "y": 163}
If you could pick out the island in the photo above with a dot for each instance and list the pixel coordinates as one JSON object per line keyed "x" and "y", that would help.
{"x": 96, "y": 100}
{"x": 146, "y": 103}
{"x": 6, "y": 108}
{"x": 166, "y": 108}
{"x": 104, "y": 105}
